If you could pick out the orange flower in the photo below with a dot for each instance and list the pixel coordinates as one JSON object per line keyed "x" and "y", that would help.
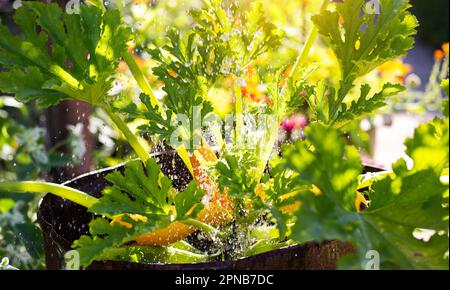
{"x": 259, "y": 190}
{"x": 445, "y": 48}
{"x": 172, "y": 73}
{"x": 291, "y": 208}
{"x": 286, "y": 74}
{"x": 439, "y": 55}
{"x": 395, "y": 70}
{"x": 238, "y": 22}
{"x": 360, "y": 202}
{"x": 135, "y": 217}
{"x": 122, "y": 66}
{"x": 141, "y": 63}
{"x": 251, "y": 90}
{"x": 341, "y": 20}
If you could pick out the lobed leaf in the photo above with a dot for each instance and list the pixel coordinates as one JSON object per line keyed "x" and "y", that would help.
{"x": 139, "y": 201}
{"x": 363, "y": 40}
{"x": 73, "y": 56}
{"x": 401, "y": 203}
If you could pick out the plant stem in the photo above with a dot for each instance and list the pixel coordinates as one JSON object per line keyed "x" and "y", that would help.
{"x": 62, "y": 191}
{"x": 141, "y": 80}
{"x": 119, "y": 4}
{"x": 97, "y": 3}
{"x": 239, "y": 116}
{"x": 198, "y": 224}
{"x": 300, "y": 59}
{"x": 65, "y": 76}
{"x": 145, "y": 87}
{"x": 131, "y": 138}
{"x": 308, "y": 45}
{"x": 154, "y": 255}
{"x": 184, "y": 155}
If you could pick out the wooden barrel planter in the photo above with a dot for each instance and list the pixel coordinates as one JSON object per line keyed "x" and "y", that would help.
{"x": 63, "y": 222}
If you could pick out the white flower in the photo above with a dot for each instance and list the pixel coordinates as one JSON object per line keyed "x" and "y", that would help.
{"x": 76, "y": 141}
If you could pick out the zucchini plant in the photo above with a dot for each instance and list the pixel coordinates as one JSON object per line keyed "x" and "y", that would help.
{"x": 312, "y": 190}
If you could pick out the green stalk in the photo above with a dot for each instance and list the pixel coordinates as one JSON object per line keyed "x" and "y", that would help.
{"x": 140, "y": 79}
{"x": 341, "y": 94}
{"x": 97, "y": 3}
{"x": 62, "y": 191}
{"x": 267, "y": 149}
{"x": 119, "y": 5}
{"x": 304, "y": 53}
{"x": 239, "y": 116}
{"x": 184, "y": 155}
{"x": 150, "y": 254}
{"x": 202, "y": 226}
{"x": 65, "y": 76}
{"x": 264, "y": 246}
{"x": 300, "y": 59}
{"x": 129, "y": 136}
{"x": 307, "y": 47}
{"x": 146, "y": 88}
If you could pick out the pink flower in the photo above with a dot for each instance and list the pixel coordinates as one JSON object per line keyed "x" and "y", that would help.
{"x": 296, "y": 121}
